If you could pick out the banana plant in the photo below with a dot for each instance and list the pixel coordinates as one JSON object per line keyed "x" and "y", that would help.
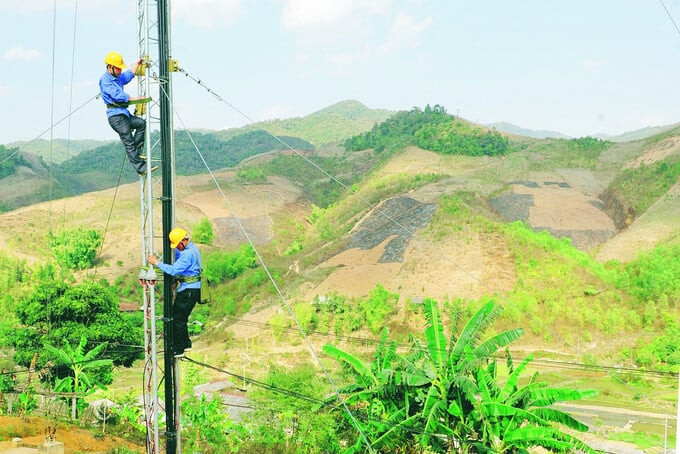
{"x": 79, "y": 361}
{"x": 444, "y": 394}
{"x": 450, "y": 396}
{"x": 511, "y": 418}
{"x": 379, "y": 394}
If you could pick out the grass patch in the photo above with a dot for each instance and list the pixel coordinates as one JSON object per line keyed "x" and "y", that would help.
{"x": 643, "y": 185}
{"x": 642, "y": 439}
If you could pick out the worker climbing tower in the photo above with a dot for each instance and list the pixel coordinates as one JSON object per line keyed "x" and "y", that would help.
{"x": 154, "y": 81}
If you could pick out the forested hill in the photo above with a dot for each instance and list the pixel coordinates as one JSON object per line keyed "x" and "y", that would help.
{"x": 10, "y": 158}
{"x": 328, "y": 126}
{"x": 25, "y": 177}
{"x": 431, "y": 129}
{"x": 103, "y": 162}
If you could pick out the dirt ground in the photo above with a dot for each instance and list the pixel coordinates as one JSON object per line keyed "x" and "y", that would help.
{"x": 76, "y": 440}
{"x": 464, "y": 265}
{"x": 117, "y": 214}
{"x": 660, "y": 150}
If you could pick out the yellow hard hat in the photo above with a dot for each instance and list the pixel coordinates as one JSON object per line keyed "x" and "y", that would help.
{"x": 115, "y": 59}
{"x": 176, "y": 235}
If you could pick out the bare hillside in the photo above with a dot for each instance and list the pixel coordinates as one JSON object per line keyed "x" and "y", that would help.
{"x": 116, "y": 213}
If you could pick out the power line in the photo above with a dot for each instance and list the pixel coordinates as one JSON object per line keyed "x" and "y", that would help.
{"x": 70, "y": 97}
{"x": 276, "y": 287}
{"x": 108, "y": 219}
{"x": 552, "y": 363}
{"x": 670, "y": 17}
{"x": 506, "y": 300}
{"x": 301, "y": 396}
{"x": 51, "y": 127}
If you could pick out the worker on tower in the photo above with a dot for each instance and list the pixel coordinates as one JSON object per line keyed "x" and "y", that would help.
{"x": 111, "y": 88}
{"x": 187, "y": 271}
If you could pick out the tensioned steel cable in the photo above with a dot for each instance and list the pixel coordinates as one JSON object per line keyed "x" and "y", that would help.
{"x": 273, "y": 281}
{"x": 108, "y": 219}
{"x": 51, "y": 179}
{"x": 668, "y": 13}
{"x": 555, "y": 363}
{"x": 298, "y": 395}
{"x": 11, "y": 155}
{"x": 70, "y": 96}
{"x": 375, "y": 208}
{"x": 54, "y": 51}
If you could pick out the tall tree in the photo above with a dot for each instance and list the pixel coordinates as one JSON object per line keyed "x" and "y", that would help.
{"x": 57, "y": 312}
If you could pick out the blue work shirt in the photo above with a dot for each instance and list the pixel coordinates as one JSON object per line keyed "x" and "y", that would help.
{"x": 111, "y": 89}
{"x": 187, "y": 263}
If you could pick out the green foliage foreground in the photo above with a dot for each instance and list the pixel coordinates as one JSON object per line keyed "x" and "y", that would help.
{"x": 446, "y": 396}
{"x": 59, "y": 315}
{"x": 75, "y": 249}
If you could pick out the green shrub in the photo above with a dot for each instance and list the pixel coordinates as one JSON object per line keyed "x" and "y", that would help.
{"x": 10, "y": 158}
{"x": 75, "y": 249}
{"x": 206, "y": 426}
{"x": 251, "y": 175}
{"x": 378, "y": 307}
{"x": 306, "y": 316}
{"x": 653, "y": 276}
{"x": 220, "y": 266}
{"x": 279, "y": 323}
{"x": 203, "y": 232}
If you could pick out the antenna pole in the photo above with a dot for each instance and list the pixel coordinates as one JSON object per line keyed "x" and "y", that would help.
{"x": 167, "y": 155}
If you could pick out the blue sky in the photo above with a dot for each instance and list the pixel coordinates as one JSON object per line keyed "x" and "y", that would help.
{"x": 578, "y": 67}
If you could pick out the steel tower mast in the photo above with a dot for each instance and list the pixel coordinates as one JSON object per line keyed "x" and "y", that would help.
{"x": 153, "y": 29}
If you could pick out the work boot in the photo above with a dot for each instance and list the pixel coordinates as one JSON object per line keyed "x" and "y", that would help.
{"x": 143, "y": 172}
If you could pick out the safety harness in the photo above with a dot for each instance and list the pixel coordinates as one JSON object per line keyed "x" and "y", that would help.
{"x": 115, "y": 105}
{"x": 188, "y": 279}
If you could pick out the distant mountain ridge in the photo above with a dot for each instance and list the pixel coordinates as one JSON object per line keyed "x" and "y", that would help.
{"x": 60, "y": 150}
{"x": 535, "y": 133}
{"x": 637, "y": 134}
{"x": 93, "y": 165}
{"x": 629, "y": 136}
{"x": 328, "y": 126}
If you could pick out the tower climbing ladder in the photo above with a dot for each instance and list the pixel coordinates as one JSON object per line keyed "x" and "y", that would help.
{"x": 147, "y": 32}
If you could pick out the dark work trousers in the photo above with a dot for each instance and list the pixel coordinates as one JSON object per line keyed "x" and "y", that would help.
{"x": 133, "y": 143}
{"x": 184, "y": 304}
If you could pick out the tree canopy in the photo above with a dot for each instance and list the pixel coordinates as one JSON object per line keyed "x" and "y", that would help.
{"x": 57, "y": 313}
{"x": 10, "y": 158}
{"x": 431, "y": 129}
{"x": 105, "y": 160}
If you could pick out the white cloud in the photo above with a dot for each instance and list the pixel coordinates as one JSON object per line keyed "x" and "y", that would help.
{"x": 207, "y": 13}
{"x": 404, "y": 31}
{"x": 347, "y": 32}
{"x": 4, "y": 89}
{"x": 20, "y": 53}
{"x": 301, "y": 58}
{"x": 318, "y": 13}
{"x": 342, "y": 60}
